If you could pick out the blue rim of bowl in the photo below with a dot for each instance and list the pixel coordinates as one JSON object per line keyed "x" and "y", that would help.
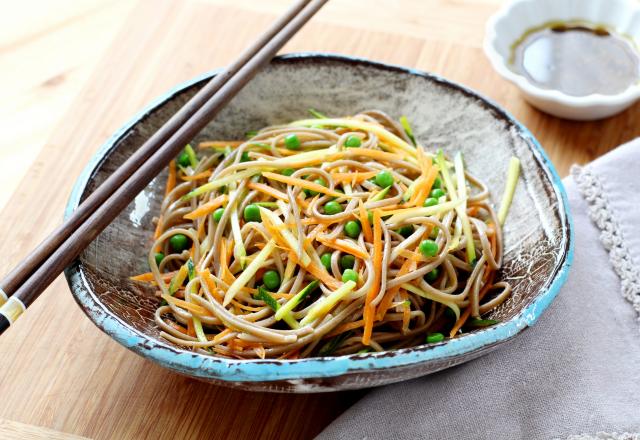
{"x": 210, "y": 367}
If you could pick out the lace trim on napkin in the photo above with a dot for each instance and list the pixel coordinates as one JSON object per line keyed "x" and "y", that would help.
{"x": 612, "y": 238}
{"x": 605, "y": 435}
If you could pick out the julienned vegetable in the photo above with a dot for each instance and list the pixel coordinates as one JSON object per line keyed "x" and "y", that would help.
{"x": 326, "y": 236}
{"x": 510, "y": 188}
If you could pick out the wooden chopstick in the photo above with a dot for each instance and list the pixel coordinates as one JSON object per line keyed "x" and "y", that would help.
{"x": 29, "y": 279}
{"x": 17, "y": 276}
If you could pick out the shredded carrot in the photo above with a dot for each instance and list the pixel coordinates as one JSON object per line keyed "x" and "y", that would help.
{"x": 417, "y": 189}
{"x": 194, "y": 308}
{"x": 202, "y": 175}
{"x": 245, "y": 307}
{"x": 191, "y": 330}
{"x": 319, "y": 221}
{"x": 207, "y": 208}
{"x": 413, "y": 256}
{"x": 312, "y": 235}
{"x": 171, "y": 184}
{"x": 319, "y": 272}
{"x": 200, "y": 231}
{"x": 366, "y": 152}
{"x": 356, "y": 177}
{"x": 219, "y": 144}
{"x": 369, "y": 309}
{"x": 301, "y": 183}
{"x": 147, "y": 277}
{"x": 178, "y": 327}
{"x": 282, "y": 295}
{"x": 346, "y": 327}
{"x": 364, "y": 222}
{"x": 344, "y": 246}
{"x": 171, "y": 178}
{"x": 221, "y": 335}
{"x": 211, "y": 284}
{"x": 266, "y": 189}
{"x": 387, "y": 299}
{"x": 428, "y": 183}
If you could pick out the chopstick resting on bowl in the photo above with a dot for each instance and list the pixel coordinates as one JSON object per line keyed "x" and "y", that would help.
{"x": 34, "y": 273}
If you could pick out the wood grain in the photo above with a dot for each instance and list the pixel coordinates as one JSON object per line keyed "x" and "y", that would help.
{"x": 59, "y": 371}
{"x": 20, "y": 431}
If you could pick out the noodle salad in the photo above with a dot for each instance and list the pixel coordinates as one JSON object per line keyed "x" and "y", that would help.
{"x": 325, "y": 236}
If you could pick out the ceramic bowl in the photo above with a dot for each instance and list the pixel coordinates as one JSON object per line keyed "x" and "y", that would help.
{"x": 516, "y": 17}
{"x": 443, "y": 114}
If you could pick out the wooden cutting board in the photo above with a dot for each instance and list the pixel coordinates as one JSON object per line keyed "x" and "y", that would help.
{"x": 58, "y": 370}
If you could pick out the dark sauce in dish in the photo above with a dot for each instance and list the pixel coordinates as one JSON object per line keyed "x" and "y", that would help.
{"x": 577, "y": 60}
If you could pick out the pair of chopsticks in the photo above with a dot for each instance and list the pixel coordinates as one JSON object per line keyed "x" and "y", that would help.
{"x": 28, "y": 280}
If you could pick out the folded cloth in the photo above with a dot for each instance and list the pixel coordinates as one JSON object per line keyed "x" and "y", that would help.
{"x": 575, "y": 374}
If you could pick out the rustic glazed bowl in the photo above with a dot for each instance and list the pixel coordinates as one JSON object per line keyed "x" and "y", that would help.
{"x": 538, "y": 241}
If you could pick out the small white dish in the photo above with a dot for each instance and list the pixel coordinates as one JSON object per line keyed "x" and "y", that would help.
{"x": 516, "y": 17}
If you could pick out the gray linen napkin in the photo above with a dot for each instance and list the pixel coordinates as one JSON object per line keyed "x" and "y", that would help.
{"x": 573, "y": 375}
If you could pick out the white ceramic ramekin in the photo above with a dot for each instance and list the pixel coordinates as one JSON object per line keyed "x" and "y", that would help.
{"x": 517, "y": 16}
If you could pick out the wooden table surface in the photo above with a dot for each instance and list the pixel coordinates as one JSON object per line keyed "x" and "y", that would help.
{"x": 72, "y": 72}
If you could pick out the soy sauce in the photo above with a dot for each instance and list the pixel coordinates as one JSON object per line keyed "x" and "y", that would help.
{"x": 578, "y": 60}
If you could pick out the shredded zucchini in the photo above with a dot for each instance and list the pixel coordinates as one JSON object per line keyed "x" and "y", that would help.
{"x": 288, "y": 307}
{"x": 324, "y": 305}
{"x": 407, "y": 129}
{"x": 510, "y": 189}
{"x": 249, "y": 272}
{"x": 269, "y": 300}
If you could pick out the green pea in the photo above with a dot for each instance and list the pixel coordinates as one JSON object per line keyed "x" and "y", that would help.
{"x": 430, "y": 277}
{"x": 347, "y": 261}
{"x": 428, "y": 248}
{"x": 349, "y": 275}
{"x": 326, "y": 260}
{"x": 431, "y": 201}
{"x": 288, "y": 171}
{"x": 159, "y": 257}
{"x": 437, "y": 183}
{"x": 370, "y": 217}
{"x": 271, "y": 280}
{"x": 217, "y": 214}
{"x": 352, "y": 142}
{"x": 292, "y": 142}
{"x": 179, "y": 242}
{"x": 332, "y": 208}
{"x": 245, "y": 157}
{"x": 434, "y": 233}
{"x": 311, "y": 192}
{"x": 384, "y": 178}
{"x": 353, "y": 229}
{"x": 433, "y": 338}
{"x": 437, "y": 193}
{"x": 183, "y": 160}
{"x": 406, "y": 230}
{"x": 252, "y": 213}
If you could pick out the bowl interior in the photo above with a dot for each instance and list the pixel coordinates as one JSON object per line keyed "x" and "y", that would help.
{"x": 442, "y": 115}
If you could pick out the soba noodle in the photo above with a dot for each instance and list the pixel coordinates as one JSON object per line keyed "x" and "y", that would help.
{"x": 323, "y": 237}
